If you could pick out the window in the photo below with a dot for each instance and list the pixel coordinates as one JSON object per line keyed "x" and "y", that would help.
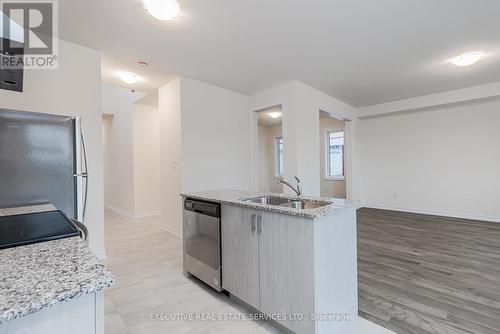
{"x": 335, "y": 154}
{"x": 278, "y": 149}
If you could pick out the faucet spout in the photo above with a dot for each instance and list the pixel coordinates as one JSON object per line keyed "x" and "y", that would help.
{"x": 297, "y": 189}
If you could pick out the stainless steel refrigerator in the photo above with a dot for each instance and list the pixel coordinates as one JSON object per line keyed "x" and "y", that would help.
{"x": 43, "y": 159}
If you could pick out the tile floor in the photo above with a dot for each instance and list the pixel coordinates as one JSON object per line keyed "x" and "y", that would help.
{"x": 147, "y": 263}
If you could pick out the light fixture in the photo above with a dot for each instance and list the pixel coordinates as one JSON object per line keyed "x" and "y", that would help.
{"x": 467, "y": 59}
{"x": 162, "y": 9}
{"x": 128, "y": 77}
{"x": 274, "y": 114}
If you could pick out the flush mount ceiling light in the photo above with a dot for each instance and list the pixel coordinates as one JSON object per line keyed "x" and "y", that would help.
{"x": 128, "y": 77}
{"x": 467, "y": 59}
{"x": 275, "y": 114}
{"x": 162, "y": 9}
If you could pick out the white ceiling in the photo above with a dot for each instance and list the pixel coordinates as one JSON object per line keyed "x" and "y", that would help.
{"x": 263, "y": 119}
{"x": 150, "y": 79}
{"x": 360, "y": 51}
{"x": 324, "y": 114}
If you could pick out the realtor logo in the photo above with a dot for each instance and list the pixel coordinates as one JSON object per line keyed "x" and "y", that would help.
{"x": 29, "y": 34}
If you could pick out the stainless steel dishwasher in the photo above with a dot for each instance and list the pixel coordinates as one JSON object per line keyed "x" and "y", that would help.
{"x": 202, "y": 250}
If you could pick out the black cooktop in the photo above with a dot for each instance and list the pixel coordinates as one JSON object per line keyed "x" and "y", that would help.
{"x": 25, "y": 229}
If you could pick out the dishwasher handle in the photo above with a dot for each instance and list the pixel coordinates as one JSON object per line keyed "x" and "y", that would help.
{"x": 202, "y": 207}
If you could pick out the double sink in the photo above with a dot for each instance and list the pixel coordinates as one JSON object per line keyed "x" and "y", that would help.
{"x": 295, "y": 203}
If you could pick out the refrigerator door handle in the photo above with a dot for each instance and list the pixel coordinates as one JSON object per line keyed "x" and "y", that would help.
{"x": 84, "y": 174}
{"x": 81, "y": 172}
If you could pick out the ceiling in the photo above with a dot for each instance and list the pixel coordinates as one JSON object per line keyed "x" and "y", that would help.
{"x": 361, "y": 51}
{"x": 263, "y": 119}
{"x": 150, "y": 79}
{"x": 324, "y": 114}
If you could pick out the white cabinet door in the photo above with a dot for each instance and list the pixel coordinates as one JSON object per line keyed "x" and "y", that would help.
{"x": 286, "y": 253}
{"x": 240, "y": 253}
{"x": 76, "y": 317}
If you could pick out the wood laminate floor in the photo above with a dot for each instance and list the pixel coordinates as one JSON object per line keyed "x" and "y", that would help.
{"x": 421, "y": 274}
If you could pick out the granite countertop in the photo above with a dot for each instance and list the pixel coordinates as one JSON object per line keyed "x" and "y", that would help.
{"x": 237, "y": 197}
{"x": 37, "y": 276}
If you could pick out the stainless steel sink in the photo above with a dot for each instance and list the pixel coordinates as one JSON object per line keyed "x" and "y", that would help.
{"x": 270, "y": 200}
{"x": 295, "y": 204}
{"x": 304, "y": 204}
{"x": 287, "y": 202}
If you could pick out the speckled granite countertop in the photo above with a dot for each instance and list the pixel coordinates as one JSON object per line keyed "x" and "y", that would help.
{"x": 38, "y": 276}
{"x": 238, "y": 197}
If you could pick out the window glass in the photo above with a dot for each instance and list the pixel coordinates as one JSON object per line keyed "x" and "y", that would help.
{"x": 279, "y": 156}
{"x": 335, "y": 154}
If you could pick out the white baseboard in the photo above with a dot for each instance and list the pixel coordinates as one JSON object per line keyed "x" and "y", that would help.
{"x": 118, "y": 210}
{"x": 175, "y": 232}
{"x": 147, "y": 214}
{"x": 128, "y": 214}
{"x": 460, "y": 215}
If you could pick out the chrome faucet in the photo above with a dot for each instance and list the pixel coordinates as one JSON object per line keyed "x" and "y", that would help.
{"x": 297, "y": 190}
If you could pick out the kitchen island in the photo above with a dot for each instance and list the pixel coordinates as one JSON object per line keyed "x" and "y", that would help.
{"x": 51, "y": 287}
{"x": 294, "y": 265}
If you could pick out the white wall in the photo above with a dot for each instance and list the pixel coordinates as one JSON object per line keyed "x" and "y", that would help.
{"x": 107, "y": 126}
{"x": 329, "y": 187}
{"x": 73, "y": 89}
{"x": 215, "y": 138}
{"x": 384, "y": 155}
{"x": 169, "y": 106}
{"x": 300, "y": 105}
{"x": 146, "y": 161}
{"x": 441, "y": 161}
{"x": 267, "y": 158}
{"x": 309, "y": 102}
{"x": 118, "y": 149}
{"x": 280, "y": 95}
{"x": 264, "y": 163}
{"x": 131, "y": 153}
{"x": 205, "y": 143}
{"x": 450, "y": 98}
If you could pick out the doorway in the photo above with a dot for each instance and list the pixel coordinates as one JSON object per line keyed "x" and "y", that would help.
{"x": 332, "y": 156}
{"x": 270, "y": 149}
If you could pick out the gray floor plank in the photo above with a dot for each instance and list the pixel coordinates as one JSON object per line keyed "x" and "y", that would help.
{"x": 421, "y": 274}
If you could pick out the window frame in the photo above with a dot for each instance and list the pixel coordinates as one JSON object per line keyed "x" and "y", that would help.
{"x": 328, "y": 177}
{"x": 277, "y": 157}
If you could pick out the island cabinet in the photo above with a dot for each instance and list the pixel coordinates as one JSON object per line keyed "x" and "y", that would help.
{"x": 287, "y": 269}
{"x": 290, "y": 267}
{"x": 51, "y": 287}
{"x": 240, "y": 254}
{"x": 84, "y": 315}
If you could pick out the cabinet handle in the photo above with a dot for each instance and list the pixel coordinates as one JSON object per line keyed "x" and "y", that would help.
{"x": 252, "y": 222}
{"x": 259, "y": 224}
